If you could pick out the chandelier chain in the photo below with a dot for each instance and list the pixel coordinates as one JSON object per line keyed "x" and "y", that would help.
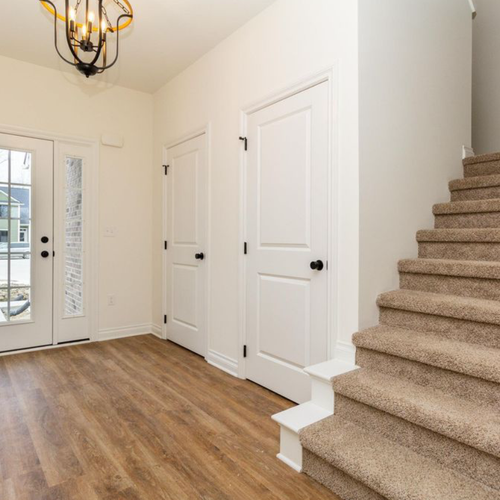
{"x": 78, "y": 2}
{"x": 125, "y": 10}
{"x": 107, "y": 18}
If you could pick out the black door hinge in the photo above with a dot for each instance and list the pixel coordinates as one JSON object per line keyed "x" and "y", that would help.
{"x": 244, "y": 351}
{"x": 165, "y": 319}
{"x": 166, "y": 169}
{"x": 166, "y": 245}
{"x": 245, "y": 248}
{"x": 246, "y": 142}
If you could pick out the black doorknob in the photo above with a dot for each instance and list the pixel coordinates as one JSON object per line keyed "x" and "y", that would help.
{"x": 45, "y": 239}
{"x": 317, "y": 265}
{"x": 45, "y": 254}
{"x": 199, "y": 256}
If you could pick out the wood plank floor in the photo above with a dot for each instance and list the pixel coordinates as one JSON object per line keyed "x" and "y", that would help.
{"x": 138, "y": 418}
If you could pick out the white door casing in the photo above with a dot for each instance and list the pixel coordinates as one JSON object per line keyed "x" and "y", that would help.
{"x": 186, "y": 236}
{"x": 287, "y": 230}
{"x": 34, "y": 326}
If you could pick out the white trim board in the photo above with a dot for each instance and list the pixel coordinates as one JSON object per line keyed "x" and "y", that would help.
{"x": 122, "y": 332}
{"x": 156, "y": 331}
{"x": 224, "y": 363}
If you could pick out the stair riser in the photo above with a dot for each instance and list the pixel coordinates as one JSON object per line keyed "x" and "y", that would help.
{"x": 463, "y": 386}
{"x": 451, "y": 285}
{"x": 450, "y": 328}
{"x": 487, "y": 193}
{"x": 480, "y": 169}
{"x": 467, "y": 221}
{"x": 459, "y": 251}
{"x": 336, "y": 480}
{"x": 476, "y": 464}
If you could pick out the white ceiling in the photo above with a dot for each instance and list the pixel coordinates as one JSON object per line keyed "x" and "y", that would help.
{"x": 165, "y": 37}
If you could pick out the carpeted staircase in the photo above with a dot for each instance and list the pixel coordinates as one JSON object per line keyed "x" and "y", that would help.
{"x": 420, "y": 420}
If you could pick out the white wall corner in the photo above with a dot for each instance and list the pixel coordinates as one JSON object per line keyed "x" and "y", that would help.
{"x": 224, "y": 363}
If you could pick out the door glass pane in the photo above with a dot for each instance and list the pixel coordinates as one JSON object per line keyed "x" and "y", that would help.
{"x": 15, "y": 235}
{"x": 73, "y": 245}
{"x": 4, "y": 165}
{"x": 20, "y": 309}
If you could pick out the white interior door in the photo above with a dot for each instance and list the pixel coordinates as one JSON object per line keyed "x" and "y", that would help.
{"x": 26, "y": 242}
{"x": 287, "y": 236}
{"x": 186, "y": 244}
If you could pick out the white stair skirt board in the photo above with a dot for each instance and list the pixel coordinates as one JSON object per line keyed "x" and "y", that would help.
{"x": 293, "y": 420}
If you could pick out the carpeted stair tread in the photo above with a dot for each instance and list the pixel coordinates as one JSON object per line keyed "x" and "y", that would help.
{"x": 453, "y": 306}
{"x": 445, "y": 267}
{"x": 488, "y": 157}
{"x": 482, "y": 181}
{"x": 467, "y": 207}
{"x": 469, "y": 359}
{"x": 468, "y": 235}
{"x": 393, "y": 471}
{"x": 432, "y": 409}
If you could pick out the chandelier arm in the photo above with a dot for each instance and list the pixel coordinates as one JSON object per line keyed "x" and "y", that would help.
{"x": 102, "y": 68}
{"x": 68, "y": 39}
{"x": 55, "y": 33}
{"x": 98, "y": 53}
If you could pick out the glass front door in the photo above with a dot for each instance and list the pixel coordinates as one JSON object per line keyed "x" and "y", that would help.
{"x": 26, "y": 242}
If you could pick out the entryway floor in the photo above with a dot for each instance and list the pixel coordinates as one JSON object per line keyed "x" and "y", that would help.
{"x": 138, "y": 418}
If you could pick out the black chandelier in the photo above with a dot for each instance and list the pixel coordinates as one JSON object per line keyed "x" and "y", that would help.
{"x": 86, "y": 41}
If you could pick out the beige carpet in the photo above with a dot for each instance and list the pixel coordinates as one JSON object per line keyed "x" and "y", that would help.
{"x": 420, "y": 420}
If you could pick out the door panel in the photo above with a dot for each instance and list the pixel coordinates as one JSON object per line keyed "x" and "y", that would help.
{"x": 186, "y": 236}
{"x": 26, "y": 242}
{"x": 287, "y": 229}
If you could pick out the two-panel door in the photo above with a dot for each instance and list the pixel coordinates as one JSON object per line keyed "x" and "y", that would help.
{"x": 287, "y": 238}
{"x": 186, "y": 183}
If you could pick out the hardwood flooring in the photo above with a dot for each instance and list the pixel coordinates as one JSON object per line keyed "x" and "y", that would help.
{"x": 138, "y": 418}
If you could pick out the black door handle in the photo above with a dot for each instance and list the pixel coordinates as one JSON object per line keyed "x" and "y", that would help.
{"x": 45, "y": 254}
{"x": 317, "y": 265}
{"x": 199, "y": 256}
{"x": 45, "y": 239}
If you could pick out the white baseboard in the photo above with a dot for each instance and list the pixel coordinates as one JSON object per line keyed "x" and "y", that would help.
{"x": 156, "y": 330}
{"x": 222, "y": 362}
{"x": 127, "y": 331}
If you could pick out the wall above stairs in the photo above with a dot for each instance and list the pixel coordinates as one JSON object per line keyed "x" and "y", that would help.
{"x": 415, "y": 115}
{"x": 486, "y": 77}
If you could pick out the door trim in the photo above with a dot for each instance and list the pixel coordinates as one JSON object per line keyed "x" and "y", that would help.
{"x": 205, "y": 130}
{"x": 93, "y": 286}
{"x": 330, "y": 76}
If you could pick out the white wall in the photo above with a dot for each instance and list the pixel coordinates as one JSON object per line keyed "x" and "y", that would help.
{"x": 51, "y": 101}
{"x": 486, "y": 77}
{"x": 289, "y": 41}
{"x": 415, "y": 114}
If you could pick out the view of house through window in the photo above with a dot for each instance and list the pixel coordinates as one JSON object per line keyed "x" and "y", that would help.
{"x": 15, "y": 230}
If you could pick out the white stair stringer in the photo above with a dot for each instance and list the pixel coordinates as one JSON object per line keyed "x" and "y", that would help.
{"x": 293, "y": 420}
